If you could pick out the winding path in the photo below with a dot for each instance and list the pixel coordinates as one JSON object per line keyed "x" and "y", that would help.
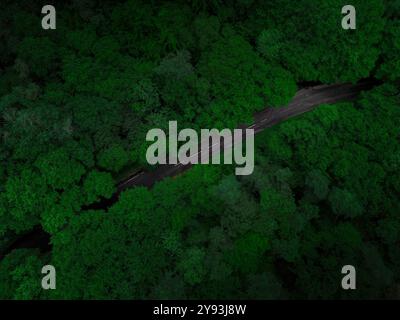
{"x": 305, "y": 100}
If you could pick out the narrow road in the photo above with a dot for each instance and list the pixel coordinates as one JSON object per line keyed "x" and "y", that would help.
{"x": 305, "y": 100}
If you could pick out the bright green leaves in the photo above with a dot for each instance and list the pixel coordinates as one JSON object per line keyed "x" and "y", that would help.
{"x": 317, "y": 184}
{"x": 81, "y": 41}
{"x": 59, "y": 170}
{"x": 247, "y": 252}
{"x": 57, "y": 214}
{"x": 241, "y": 82}
{"x": 115, "y": 259}
{"x": 230, "y": 66}
{"x": 135, "y": 205}
{"x": 24, "y": 197}
{"x": 106, "y": 50}
{"x": 20, "y": 275}
{"x": 98, "y": 184}
{"x": 40, "y": 54}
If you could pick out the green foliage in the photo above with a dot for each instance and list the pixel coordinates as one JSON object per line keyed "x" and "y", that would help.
{"x": 308, "y": 39}
{"x": 98, "y": 184}
{"x": 240, "y": 80}
{"x": 192, "y": 266}
{"x": 114, "y": 158}
{"x": 20, "y": 275}
{"x": 75, "y": 107}
{"x": 390, "y": 68}
{"x": 247, "y": 252}
{"x": 318, "y": 185}
{"x": 344, "y": 203}
{"x": 58, "y": 170}
{"x": 40, "y": 54}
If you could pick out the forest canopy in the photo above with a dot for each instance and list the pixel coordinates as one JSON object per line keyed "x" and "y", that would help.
{"x": 75, "y": 106}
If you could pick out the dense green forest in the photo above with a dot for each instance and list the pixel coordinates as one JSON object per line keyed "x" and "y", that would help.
{"x": 76, "y": 104}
